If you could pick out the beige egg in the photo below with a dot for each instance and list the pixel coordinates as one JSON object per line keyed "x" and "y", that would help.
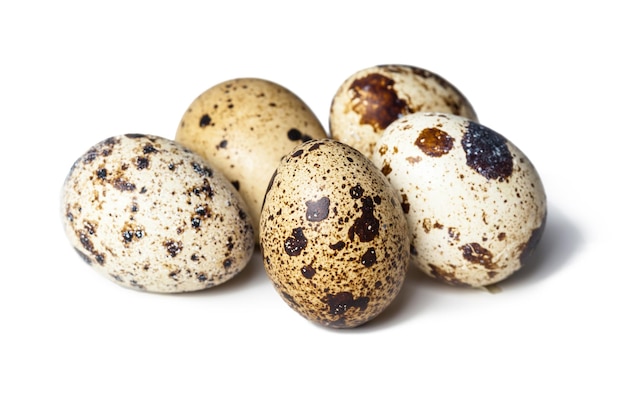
{"x": 152, "y": 215}
{"x": 475, "y": 204}
{"x": 372, "y": 98}
{"x": 334, "y": 238}
{"x": 243, "y": 127}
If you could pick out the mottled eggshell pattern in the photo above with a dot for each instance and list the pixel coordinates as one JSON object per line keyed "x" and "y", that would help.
{"x": 334, "y": 238}
{"x": 243, "y": 127}
{"x": 475, "y": 204}
{"x": 152, "y": 215}
{"x": 371, "y": 99}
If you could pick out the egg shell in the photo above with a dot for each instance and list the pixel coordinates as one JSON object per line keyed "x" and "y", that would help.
{"x": 243, "y": 127}
{"x": 475, "y": 203}
{"x": 334, "y": 238}
{"x": 372, "y": 98}
{"x": 151, "y": 215}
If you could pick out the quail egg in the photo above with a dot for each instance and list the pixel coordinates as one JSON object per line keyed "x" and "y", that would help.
{"x": 243, "y": 127}
{"x": 150, "y": 214}
{"x": 475, "y": 204}
{"x": 334, "y": 238}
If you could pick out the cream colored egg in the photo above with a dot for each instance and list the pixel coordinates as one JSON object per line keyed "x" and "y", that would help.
{"x": 334, "y": 238}
{"x": 152, "y": 215}
{"x": 372, "y": 98}
{"x": 243, "y": 127}
{"x": 475, "y": 203}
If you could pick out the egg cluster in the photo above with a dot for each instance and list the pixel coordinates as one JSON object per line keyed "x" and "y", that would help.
{"x": 406, "y": 174}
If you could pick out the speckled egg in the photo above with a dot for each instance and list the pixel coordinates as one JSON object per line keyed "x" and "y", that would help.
{"x": 370, "y": 99}
{"x": 475, "y": 203}
{"x": 152, "y": 215}
{"x": 243, "y": 127}
{"x": 334, "y": 238}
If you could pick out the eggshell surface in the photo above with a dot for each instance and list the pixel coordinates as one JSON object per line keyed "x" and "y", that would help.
{"x": 334, "y": 238}
{"x": 243, "y": 127}
{"x": 475, "y": 204}
{"x": 151, "y": 215}
{"x": 371, "y": 99}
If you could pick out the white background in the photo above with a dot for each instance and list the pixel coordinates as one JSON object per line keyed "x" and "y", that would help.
{"x": 547, "y": 75}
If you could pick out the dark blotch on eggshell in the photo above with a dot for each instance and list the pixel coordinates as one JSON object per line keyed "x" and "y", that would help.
{"x": 434, "y": 142}
{"x": 296, "y": 242}
{"x": 487, "y": 152}
{"x": 316, "y": 211}
{"x": 366, "y": 226}
{"x": 376, "y": 101}
{"x": 369, "y": 257}
{"x": 341, "y": 302}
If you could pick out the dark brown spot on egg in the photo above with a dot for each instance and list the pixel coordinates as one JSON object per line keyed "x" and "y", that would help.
{"x": 200, "y": 213}
{"x": 406, "y": 206}
{"x": 454, "y": 233}
{"x": 529, "y": 248}
{"x": 366, "y": 226}
{"x": 475, "y": 253}
{"x": 137, "y": 285}
{"x": 446, "y": 276}
{"x": 204, "y": 189}
{"x": 487, "y": 152}
{"x": 223, "y": 144}
{"x": 340, "y": 303}
{"x": 131, "y": 232}
{"x": 205, "y": 120}
{"x": 172, "y": 247}
{"x": 123, "y": 184}
{"x": 288, "y": 298}
{"x": 87, "y": 244}
{"x": 317, "y": 210}
{"x": 142, "y": 162}
{"x": 149, "y": 148}
{"x": 315, "y": 146}
{"x": 308, "y": 271}
{"x": 294, "y": 134}
{"x": 356, "y": 191}
{"x": 295, "y": 243}
{"x": 434, "y": 142}
{"x": 368, "y": 258}
{"x": 338, "y": 245}
{"x": 102, "y": 173}
{"x": 386, "y": 169}
{"x": 297, "y": 153}
{"x": 376, "y": 101}
{"x": 202, "y": 170}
